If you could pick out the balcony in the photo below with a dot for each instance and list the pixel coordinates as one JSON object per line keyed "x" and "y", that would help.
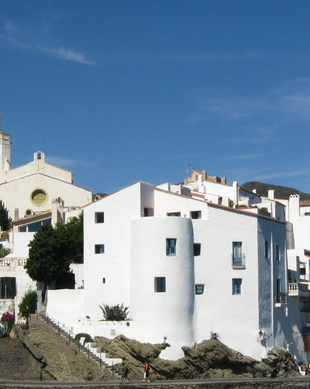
{"x": 293, "y": 289}
{"x": 238, "y": 262}
{"x": 298, "y": 288}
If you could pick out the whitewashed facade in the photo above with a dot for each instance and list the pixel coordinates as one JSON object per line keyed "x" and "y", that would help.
{"x": 186, "y": 267}
{"x": 34, "y": 194}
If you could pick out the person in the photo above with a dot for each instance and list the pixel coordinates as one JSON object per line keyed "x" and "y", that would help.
{"x": 146, "y": 373}
{"x": 125, "y": 372}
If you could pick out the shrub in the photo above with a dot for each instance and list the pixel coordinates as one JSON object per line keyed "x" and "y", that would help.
{"x": 7, "y": 320}
{"x": 114, "y": 312}
{"x": 87, "y": 337}
{"x": 6, "y": 323}
{"x": 28, "y": 305}
{"x": 214, "y": 335}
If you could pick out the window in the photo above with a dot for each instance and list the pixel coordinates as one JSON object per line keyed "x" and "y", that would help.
{"x": 197, "y": 248}
{"x": 236, "y": 285}
{"x": 160, "y": 284}
{"x": 174, "y": 214}
{"x": 277, "y": 252}
{"x": 199, "y": 288}
{"x": 196, "y": 214}
{"x": 171, "y": 245}
{"x": 148, "y": 212}
{"x": 237, "y": 254}
{"x": 34, "y": 227}
{"x": 99, "y": 217}
{"x": 7, "y": 287}
{"x": 39, "y": 197}
{"x": 267, "y": 249}
{"x": 99, "y": 248}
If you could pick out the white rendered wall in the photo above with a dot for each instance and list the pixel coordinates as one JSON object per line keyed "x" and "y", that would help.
{"x": 163, "y": 314}
{"x": 233, "y": 317}
{"x": 17, "y": 194}
{"x": 66, "y": 305}
{"x": 113, "y": 266}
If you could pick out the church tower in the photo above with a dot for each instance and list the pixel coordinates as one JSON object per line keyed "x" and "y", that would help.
{"x": 5, "y": 150}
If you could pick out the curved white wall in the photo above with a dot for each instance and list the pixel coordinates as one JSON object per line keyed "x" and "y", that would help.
{"x": 167, "y": 314}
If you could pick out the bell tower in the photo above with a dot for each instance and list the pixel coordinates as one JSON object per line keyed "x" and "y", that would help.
{"x": 5, "y": 150}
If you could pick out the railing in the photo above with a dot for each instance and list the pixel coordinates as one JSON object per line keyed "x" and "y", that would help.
{"x": 89, "y": 348}
{"x": 293, "y": 289}
{"x": 238, "y": 262}
{"x": 281, "y": 298}
{"x": 11, "y": 261}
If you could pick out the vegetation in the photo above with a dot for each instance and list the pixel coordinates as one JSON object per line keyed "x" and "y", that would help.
{"x": 87, "y": 337}
{"x": 214, "y": 335}
{"x": 73, "y": 232}
{"x": 6, "y": 323}
{"x": 53, "y": 249}
{"x": 114, "y": 312}
{"x": 48, "y": 255}
{"x": 5, "y": 220}
{"x": 28, "y": 305}
{"x": 4, "y": 252}
{"x": 281, "y": 192}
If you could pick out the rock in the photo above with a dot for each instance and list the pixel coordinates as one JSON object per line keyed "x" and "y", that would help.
{"x": 208, "y": 359}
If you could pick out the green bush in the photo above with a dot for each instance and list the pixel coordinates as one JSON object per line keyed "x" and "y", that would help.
{"x": 28, "y": 305}
{"x": 87, "y": 337}
{"x": 114, "y": 312}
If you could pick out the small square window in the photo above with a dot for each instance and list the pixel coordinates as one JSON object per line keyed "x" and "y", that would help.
{"x": 99, "y": 217}
{"x": 199, "y": 288}
{"x": 171, "y": 246}
{"x": 197, "y": 249}
{"x": 236, "y": 285}
{"x": 99, "y": 248}
{"x": 160, "y": 284}
{"x": 196, "y": 214}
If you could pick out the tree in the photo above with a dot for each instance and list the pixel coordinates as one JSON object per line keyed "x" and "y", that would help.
{"x": 49, "y": 255}
{"x": 28, "y": 305}
{"x": 5, "y": 220}
{"x": 73, "y": 231}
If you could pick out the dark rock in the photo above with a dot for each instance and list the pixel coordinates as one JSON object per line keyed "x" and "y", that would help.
{"x": 208, "y": 359}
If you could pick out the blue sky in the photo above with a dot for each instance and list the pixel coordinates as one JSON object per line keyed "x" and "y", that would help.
{"x": 121, "y": 91}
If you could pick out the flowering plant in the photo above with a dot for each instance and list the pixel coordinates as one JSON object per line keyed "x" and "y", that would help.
{"x": 7, "y": 321}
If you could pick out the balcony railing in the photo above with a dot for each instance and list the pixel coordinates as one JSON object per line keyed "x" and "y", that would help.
{"x": 238, "y": 262}
{"x": 293, "y": 289}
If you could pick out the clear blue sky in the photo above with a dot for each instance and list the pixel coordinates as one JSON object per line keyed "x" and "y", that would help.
{"x": 121, "y": 91}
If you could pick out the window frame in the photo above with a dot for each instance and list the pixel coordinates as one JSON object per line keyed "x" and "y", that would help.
{"x": 98, "y": 247}
{"x": 195, "y": 215}
{"x": 98, "y": 217}
{"x": 160, "y": 285}
{"x": 199, "y": 289}
{"x": 197, "y": 249}
{"x": 237, "y": 255}
{"x": 171, "y": 249}
{"x": 236, "y": 286}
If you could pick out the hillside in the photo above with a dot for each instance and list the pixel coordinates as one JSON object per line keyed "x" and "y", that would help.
{"x": 280, "y": 192}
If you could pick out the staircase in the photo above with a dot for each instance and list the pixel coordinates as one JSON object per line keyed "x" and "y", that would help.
{"x": 89, "y": 349}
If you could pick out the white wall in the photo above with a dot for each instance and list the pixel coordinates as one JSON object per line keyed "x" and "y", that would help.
{"x": 162, "y": 314}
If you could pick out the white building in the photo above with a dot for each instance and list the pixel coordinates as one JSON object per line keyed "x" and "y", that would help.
{"x": 34, "y": 194}
{"x": 187, "y": 260}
